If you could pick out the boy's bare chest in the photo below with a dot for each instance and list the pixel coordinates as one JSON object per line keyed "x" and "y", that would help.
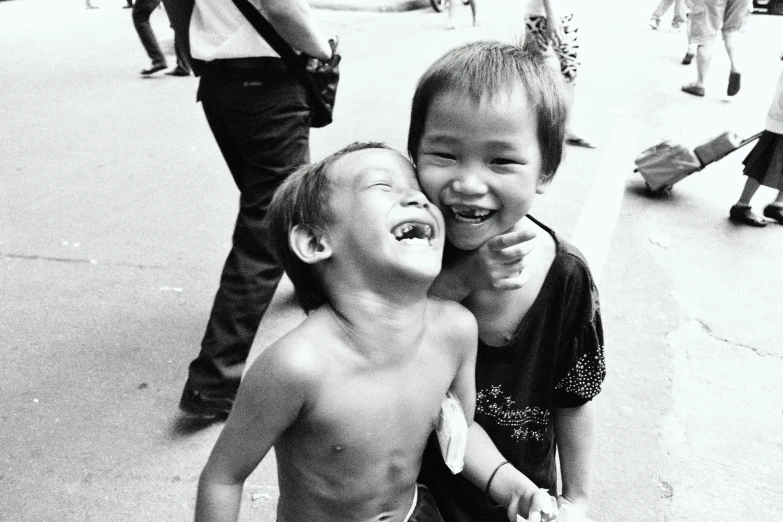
{"x": 381, "y": 401}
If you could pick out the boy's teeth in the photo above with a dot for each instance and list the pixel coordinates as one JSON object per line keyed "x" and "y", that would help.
{"x": 411, "y": 231}
{"x": 415, "y": 241}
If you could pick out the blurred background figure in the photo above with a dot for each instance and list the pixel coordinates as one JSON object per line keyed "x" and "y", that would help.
{"x": 679, "y": 13}
{"x": 764, "y": 166}
{"x": 707, "y": 18}
{"x": 551, "y": 29}
{"x": 142, "y": 10}
{"x": 453, "y": 8}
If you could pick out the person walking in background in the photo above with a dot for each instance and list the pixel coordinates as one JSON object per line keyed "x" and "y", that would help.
{"x": 550, "y": 28}
{"x": 690, "y": 53}
{"x": 259, "y": 113}
{"x": 679, "y": 13}
{"x": 453, "y": 9}
{"x": 707, "y": 18}
{"x": 142, "y": 10}
{"x": 764, "y": 166}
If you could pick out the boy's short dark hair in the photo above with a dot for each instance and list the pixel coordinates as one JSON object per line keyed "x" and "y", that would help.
{"x": 303, "y": 199}
{"x": 486, "y": 69}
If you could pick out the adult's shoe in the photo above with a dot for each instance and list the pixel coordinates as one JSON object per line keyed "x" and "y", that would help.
{"x": 744, "y": 215}
{"x": 774, "y": 212}
{"x": 203, "y": 405}
{"x": 178, "y": 71}
{"x": 152, "y": 70}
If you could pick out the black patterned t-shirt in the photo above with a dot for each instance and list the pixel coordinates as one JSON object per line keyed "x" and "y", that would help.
{"x": 554, "y": 360}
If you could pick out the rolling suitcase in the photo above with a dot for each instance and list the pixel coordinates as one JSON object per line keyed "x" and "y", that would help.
{"x": 666, "y": 163}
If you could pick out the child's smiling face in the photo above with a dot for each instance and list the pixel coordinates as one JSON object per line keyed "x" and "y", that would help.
{"x": 381, "y": 217}
{"x": 480, "y": 164}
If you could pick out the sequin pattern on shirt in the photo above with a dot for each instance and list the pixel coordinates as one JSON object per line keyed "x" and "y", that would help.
{"x": 529, "y": 423}
{"x": 586, "y": 377}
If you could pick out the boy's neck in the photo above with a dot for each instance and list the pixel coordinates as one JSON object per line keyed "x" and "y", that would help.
{"x": 385, "y": 329}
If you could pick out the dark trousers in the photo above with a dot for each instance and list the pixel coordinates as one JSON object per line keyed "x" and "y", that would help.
{"x": 261, "y": 122}
{"x": 178, "y": 19}
{"x": 179, "y": 12}
{"x": 142, "y": 10}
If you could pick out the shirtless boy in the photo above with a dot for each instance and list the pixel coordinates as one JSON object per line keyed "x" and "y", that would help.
{"x": 349, "y": 397}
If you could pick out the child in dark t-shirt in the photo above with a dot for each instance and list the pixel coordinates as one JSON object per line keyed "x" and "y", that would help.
{"x": 487, "y": 128}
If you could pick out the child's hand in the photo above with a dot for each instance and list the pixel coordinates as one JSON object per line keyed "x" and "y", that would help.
{"x": 499, "y": 263}
{"x": 542, "y": 508}
{"x": 571, "y": 512}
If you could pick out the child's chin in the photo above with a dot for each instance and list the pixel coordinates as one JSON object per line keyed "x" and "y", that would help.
{"x": 468, "y": 244}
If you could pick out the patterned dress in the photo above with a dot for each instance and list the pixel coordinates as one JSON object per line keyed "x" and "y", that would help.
{"x": 555, "y": 360}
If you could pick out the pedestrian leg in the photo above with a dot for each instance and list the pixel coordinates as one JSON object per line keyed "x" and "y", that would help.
{"x": 660, "y": 10}
{"x": 452, "y": 11}
{"x": 179, "y": 12}
{"x": 680, "y": 14}
{"x": 741, "y": 212}
{"x": 262, "y": 129}
{"x": 142, "y": 10}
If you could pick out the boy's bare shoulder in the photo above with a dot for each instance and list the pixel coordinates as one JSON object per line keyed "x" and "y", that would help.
{"x": 453, "y": 320}
{"x": 298, "y": 356}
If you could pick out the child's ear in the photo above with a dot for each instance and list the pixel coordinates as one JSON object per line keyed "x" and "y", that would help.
{"x": 542, "y": 185}
{"x": 308, "y": 245}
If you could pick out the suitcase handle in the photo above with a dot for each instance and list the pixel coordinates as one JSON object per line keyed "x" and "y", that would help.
{"x": 748, "y": 140}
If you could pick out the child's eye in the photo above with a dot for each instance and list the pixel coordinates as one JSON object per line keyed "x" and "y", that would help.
{"x": 506, "y": 161}
{"x": 382, "y": 184}
{"x": 444, "y": 155}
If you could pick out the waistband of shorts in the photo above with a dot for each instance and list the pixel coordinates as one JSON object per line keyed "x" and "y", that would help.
{"x": 414, "y": 504}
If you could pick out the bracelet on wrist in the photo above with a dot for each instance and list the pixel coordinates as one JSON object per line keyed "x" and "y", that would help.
{"x": 491, "y": 477}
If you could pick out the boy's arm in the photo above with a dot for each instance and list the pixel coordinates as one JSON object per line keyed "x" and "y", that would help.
{"x": 509, "y": 487}
{"x": 575, "y": 436}
{"x": 268, "y": 402}
{"x": 498, "y": 264}
{"x": 463, "y": 328}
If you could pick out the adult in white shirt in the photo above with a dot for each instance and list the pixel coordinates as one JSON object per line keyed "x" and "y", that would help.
{"x": 259, "y": 114}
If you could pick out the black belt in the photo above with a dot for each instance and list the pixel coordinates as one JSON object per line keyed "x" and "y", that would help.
{"x": 259, "y": 64}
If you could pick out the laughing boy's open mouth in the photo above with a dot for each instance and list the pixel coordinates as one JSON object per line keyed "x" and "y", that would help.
{"x": 413, "y": 233}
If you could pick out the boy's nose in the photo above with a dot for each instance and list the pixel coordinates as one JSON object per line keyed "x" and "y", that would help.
{"x": 469, "y": 184}
{"x": 415, "y": 198}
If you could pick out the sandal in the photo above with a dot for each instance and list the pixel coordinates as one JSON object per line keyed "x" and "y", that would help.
{"x": 775, "y": 212}
{"x": 744, "y": 215}
{"x": 734, "y": 83}
{"x": 692, "y": 88}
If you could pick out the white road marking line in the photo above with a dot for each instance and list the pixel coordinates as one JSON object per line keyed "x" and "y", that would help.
{"x": 593, "y": 232}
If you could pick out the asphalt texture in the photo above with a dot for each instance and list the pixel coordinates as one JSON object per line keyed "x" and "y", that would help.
{"x": 116, "y": 211}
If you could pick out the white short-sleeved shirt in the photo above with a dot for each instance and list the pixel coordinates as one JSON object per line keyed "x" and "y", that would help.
{"x": 775, "y": 113}
{"x": 219, "y": 31}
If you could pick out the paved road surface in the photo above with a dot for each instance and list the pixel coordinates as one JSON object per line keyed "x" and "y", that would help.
{"x": 115, "y": 217}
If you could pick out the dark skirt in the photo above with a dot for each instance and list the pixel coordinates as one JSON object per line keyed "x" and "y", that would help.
{"x": 765, "y": 161}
